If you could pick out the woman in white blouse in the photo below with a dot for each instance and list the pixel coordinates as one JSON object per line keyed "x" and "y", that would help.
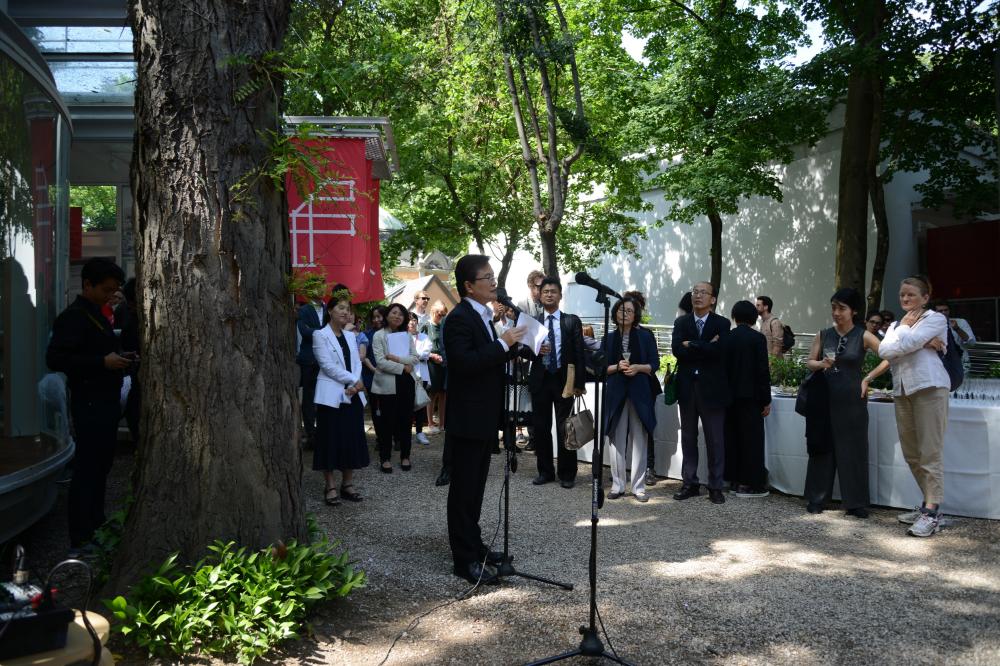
{"x": 395, "y": 387}
{"x": 920, "y": 393}
{"x": 340, "y": 416}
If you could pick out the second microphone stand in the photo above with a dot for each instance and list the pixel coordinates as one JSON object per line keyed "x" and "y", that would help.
{"x": 511, "y": 395}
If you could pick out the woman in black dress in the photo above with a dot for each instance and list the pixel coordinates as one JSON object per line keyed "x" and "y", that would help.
{"x": 340, "y": 419}
{"x": 837, "y": 409}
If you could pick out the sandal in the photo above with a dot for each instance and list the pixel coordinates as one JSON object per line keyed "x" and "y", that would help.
{"x": 406, "y": 468}
{"x": 331, "y": 501}
{"x": 386, "y": 470}
{"x": 352, "y": 496}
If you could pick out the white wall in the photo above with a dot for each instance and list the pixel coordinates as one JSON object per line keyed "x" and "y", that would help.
{"x": 785, "y": 250}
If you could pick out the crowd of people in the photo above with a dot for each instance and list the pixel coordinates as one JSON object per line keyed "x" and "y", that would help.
{"x": 452, "y": 372}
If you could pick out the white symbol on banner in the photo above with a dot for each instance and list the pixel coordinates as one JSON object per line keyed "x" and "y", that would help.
{"x": 311, "y": 219}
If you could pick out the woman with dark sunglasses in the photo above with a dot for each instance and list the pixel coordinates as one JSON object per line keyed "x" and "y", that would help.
{"x": 837, "y": 409}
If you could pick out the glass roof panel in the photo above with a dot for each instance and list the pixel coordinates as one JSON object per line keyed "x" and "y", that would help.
{"x": 105, "y": 79}
{"x": 68, "y": 39}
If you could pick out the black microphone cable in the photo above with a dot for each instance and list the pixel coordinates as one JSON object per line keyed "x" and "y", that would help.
{"x": 415, "y": 622}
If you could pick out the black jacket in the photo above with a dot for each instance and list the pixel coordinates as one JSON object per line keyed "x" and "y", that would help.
{"x": 745, "y": 353}
{"x": 570, "y": 351}
{"x": 476, "y": 362}
{"x": 703, "y": 357}
{"x": 81, "y": 338}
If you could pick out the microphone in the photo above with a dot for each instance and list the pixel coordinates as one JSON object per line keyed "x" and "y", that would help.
{"x": 504, "y": 300}
{"x": 586, "y": 280}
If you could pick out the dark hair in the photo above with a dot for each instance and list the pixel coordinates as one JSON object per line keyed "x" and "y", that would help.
{"x": 635, "y": 304}
{"x": 380, "y": 309}
{"x": 850, "y": 297}
{"x": 98, "y": 269}
{"x": 715, "y": 290}
{"x": 939, "y": 303}
{"x": 406, "y": 315}
{"x": 873, "y": 313}
{"x": 744, "y": 312}
{"x": 129, "y": 290}
{"x": 414, "y": 316}
{"x": 888, "y": 315}
{"x": 768, "y": 303}
{"x": 466, "y": 269}
{"x": 636, "y": 296}
{"x": 334, "y": 298}
{"x": 546, "y": 281}
{"x": 686, "y": 305}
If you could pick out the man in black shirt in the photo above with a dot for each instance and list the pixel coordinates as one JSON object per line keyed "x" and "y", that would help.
{"x": 85, "y": 347}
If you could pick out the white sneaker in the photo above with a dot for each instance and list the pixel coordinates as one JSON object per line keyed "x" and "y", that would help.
{"x": 925, "y": 526}
{"x": 909, "y": 517}
{"x": 422, "y": 439}
{"x": 433, "y": 430}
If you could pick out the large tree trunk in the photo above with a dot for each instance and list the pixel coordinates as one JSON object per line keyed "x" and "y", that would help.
{"x": 852, "y": 204}
{"x": 715, "y": 252}
{"x": 218, "y": 457}
{"x": 876, "y": 192}
{"x": 550, "y": 262}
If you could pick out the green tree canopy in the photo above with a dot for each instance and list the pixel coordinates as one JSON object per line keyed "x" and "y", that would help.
{"x": 99, "y": 204}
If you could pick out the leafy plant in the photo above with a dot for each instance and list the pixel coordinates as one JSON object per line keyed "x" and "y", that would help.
{"x": 882, "y": 382}
{"x": 106, "y": 539}
{"x": 233, "y": 600}
{"x": 993, "y": 372}
{"x": 789, "y": 370}
{"x": 309, "y": 282}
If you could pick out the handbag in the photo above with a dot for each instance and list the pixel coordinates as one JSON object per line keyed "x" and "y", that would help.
{"x": 670, "y": 387}
{"x": 420, "y": 397}
{"x": 802, "y": 396}
{"x": 578, "y": 429}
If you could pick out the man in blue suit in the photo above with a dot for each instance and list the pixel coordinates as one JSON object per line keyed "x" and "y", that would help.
{"x": 702, "y": 390}
{"x": 312, "y": 317}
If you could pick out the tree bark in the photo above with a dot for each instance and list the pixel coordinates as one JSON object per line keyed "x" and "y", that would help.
{"x": 715, "y": 219}
{"x": 550, "y": 264}
{"x": 876, "y": 187}
{"x": 852, "y": 203}
{"x": 219, "y": 457}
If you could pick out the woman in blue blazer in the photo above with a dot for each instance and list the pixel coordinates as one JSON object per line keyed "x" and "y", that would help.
{"x": 629, "y": 413}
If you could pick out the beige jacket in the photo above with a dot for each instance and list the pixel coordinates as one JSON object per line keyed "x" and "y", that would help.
{"x": 774, "y": 332}
{"x": 384, "y": 382}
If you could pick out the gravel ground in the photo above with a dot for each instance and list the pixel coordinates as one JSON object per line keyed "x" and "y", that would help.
{"x": 754, "y": 581}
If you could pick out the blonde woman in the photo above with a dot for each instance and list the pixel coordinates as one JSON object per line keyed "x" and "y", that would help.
{"x": 920, "y": 396}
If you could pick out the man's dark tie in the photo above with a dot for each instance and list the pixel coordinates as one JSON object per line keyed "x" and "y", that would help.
{"x": 550, "y": 360}
{"x": 701, "y": 326}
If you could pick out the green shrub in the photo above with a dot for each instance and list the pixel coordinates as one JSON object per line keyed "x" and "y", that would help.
{"x": 233, "y": 601}
{"x": 993, "y": 372}
{"x": 882, "y": 382}
{"x": 789, "y": 370}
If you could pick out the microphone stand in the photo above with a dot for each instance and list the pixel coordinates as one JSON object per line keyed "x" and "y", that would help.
{"x": 511, "y": 391}
{"x": 591, "y": 645}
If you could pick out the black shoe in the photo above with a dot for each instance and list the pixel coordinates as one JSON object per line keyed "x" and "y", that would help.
{"x": 860, "y": 512}
{"x": 716, "y": 496}
{"x": 686, "y": 492}
{"x": 567, "y": 484}
{"x": 475, "y": 572}
{"x": 386, "y": 470}
{"x": 444, "y": 478}
{"x": 650, "y": 477}
{"x": 541, "y": 480}
{"x": 494, "y": 558}
{"x": 814, "y": 508}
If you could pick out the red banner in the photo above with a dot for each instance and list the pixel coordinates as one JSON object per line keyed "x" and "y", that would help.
{"x": 334, "y": 226}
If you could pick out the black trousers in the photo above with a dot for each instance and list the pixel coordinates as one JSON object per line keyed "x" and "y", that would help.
{"x": 133, "y": 409}
{"x": 446, "y": 452}
{"x": 713, "y": 420}
{"x": 397, "y": 419}
{"x": 95, "y": 432}
{"x": 543, "y": 401}
{"x": 745, "y": 444}
{"x": 470, "y": 467}
{"x": 308, "y": 374}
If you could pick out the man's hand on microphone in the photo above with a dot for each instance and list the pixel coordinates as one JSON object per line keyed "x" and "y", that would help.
{"x": 513, "y": 335}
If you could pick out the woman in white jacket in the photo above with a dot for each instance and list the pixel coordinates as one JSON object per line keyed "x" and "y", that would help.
{"x": 340, "y": 427}
{"x": 920, "y": 387}
{"x": 395, "y": 385}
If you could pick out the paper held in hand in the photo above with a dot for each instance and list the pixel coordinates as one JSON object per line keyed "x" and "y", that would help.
{"x": 399, "y": 344}
{"x": 535, "y": 333}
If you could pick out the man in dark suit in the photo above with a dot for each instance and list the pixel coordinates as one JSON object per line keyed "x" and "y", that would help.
{"x": 746, "y": 359}
{"x": 702, "y": 390}
{"x": 547, "y": 381}
{"x": 311, "y": 317}
{"x": 476, "y": 361}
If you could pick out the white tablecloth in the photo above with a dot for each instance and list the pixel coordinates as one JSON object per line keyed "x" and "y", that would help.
{"x": 971, "y": 454}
